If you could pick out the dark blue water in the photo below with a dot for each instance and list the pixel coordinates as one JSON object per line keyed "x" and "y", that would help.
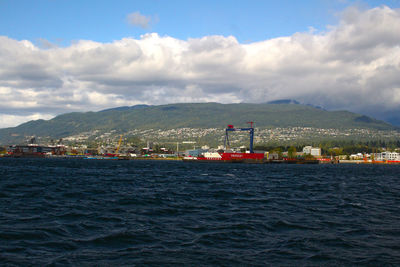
{"x": 113, "y": 213}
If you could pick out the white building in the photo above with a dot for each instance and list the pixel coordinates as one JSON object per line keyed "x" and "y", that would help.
{"x": 357, "y": 156}
{"x": 387, "y": 155}
{"x": 313, "y": 151}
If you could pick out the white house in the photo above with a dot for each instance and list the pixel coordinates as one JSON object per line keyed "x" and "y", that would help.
{"x": 387, "y": 155}
{"x": 357, "y": 156}
{"x": 313, "y": 151}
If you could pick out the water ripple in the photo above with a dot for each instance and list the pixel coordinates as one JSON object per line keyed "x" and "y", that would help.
{"x": 112, "y": 213}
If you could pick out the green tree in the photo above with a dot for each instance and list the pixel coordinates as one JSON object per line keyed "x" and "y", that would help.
{"x": 134, "y": 140}
{"x": 336, "y": 151}
{"x": 292, "y": 152}
{"x": 277, "y": 150}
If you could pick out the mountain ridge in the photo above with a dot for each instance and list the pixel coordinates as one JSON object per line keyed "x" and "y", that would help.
{"x": 192, "y": 115}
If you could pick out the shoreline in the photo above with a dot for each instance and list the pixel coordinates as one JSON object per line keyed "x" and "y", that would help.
{"x": 265, "y": 161}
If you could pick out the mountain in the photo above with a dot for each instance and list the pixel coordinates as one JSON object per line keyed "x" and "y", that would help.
{"x": 291, "y": 101}
{"x": 124, "y": 108}
{"x": 283, "y": 101}
{"x": 191, "y": 115}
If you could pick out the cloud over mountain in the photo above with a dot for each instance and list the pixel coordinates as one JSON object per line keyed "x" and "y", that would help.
{"x": 354, "y": 65}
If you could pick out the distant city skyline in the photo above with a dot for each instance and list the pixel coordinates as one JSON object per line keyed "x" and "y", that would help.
{"x": 64, "y": 56}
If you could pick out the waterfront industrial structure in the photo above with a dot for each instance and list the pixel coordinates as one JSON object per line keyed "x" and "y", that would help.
{"x": 225, "y": 153}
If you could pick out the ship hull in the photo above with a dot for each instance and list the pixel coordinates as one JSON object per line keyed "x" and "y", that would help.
{"x": 230, "y": 157}
{"x": 244, "y": 158}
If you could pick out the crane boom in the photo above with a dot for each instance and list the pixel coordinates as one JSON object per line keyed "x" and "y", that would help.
{"x": 119, "y": 144}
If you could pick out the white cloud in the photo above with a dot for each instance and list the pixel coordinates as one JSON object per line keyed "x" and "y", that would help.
{"x": 139, "y": 20}
{"x": 353, "y": 65}
{"x": 12, "y": 120}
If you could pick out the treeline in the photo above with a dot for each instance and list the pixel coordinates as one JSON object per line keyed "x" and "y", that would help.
{"x": 336, "y": 147}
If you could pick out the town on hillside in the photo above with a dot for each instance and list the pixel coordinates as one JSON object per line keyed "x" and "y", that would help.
{"x": 186, "y": 143}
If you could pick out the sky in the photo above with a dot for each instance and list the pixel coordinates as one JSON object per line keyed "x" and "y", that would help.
{"x": 59, "y": 56}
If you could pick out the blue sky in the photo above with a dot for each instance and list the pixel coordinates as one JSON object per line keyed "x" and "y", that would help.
{"x": 59, "y": 56}
{"x": 63, "y": 21}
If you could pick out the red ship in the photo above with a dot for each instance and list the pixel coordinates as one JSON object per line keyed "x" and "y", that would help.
{"x": 231, "y": 157}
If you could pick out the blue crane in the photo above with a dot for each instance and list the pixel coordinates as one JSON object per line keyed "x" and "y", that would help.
{"x": 231, "y": 128}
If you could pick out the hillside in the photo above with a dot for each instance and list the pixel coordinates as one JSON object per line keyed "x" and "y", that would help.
{"x": 191, "y": 115}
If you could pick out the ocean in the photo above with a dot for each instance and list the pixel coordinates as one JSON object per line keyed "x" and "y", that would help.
{"x": 63, "y": 212}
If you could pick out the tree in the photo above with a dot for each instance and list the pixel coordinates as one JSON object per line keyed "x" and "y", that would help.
{"x": 336, "y": 151}
{"x": 133, "y": 140}
{"x": 278, "y": 151}
{"x": 292, "y": 152}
